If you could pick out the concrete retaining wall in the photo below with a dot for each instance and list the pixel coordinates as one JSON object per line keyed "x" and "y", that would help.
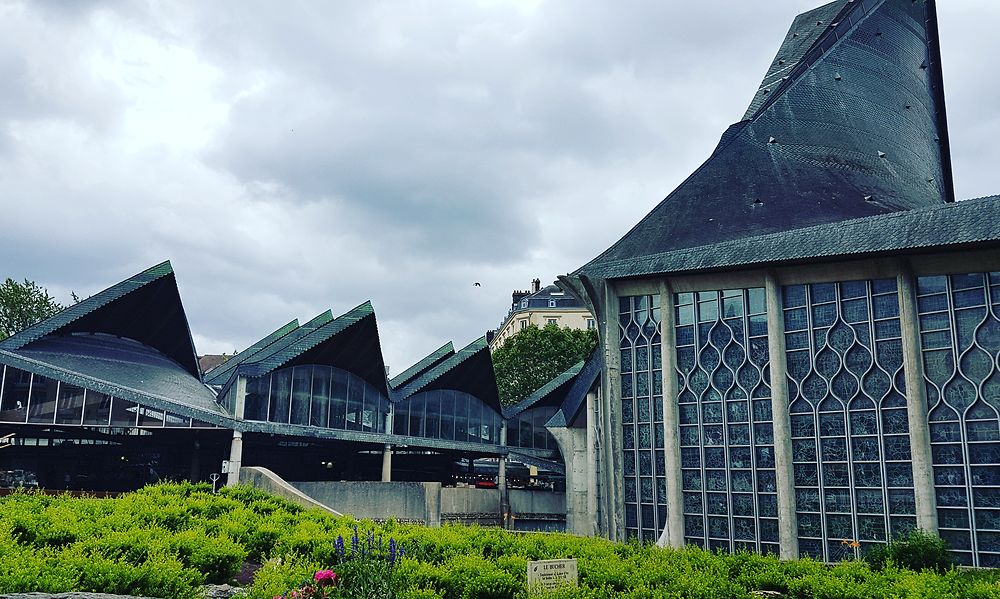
{"x": 430, "y": 504}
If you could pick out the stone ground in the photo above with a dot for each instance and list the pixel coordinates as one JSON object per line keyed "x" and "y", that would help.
{"x": 212, "y": 591}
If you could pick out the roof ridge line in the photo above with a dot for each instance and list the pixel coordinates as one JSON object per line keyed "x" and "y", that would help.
{"x": 451, "y": 362}
{"x": 85, "y": 307}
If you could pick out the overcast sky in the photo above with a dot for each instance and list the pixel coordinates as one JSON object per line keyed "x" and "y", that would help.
{"x": 290, "y": 157}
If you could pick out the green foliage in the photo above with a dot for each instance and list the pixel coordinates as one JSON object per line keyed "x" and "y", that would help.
{"x": 917, "y": 551}
{"x": 167, "y": 540}
{"x": 534, "y": 356}
{"x": 22, "y": 305}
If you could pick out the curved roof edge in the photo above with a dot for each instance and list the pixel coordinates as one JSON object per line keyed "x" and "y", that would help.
{"x": 431, "y": 360}
{"x": 469, "y": 370}
{"x": 161, "y": 323}
{"x": 220, "y": 374}
{"x": 206, "y": 410}
{"x": 576, "y": 397}
{"x": 546, "y": 391}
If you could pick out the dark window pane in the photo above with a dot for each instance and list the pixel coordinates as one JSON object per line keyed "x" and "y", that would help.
{"x": 70, "y": 408}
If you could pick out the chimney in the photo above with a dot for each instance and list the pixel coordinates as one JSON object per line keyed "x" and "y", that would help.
{"x": 536, "y": 285}
{"x": 518, "y": 296}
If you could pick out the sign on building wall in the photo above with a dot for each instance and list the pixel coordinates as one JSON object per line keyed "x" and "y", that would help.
{"x": 552, "y": 573}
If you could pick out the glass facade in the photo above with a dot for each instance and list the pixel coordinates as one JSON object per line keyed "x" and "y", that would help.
{"x": 849, "y": 424}
{"x": 726, "y": 429}
{"x": 641, "y": 369}
{"x": 527, "y": 429}
{"x": 960, "y": 342}
{"x": 449, "y": 415}
{"x": 316, "y": 395}
{"x": 35, "y": 399}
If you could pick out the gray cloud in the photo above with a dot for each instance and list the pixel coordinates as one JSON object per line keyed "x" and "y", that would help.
{"x": 297, "y": 156}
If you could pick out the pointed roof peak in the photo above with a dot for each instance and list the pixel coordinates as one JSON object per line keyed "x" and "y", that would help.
{"x": 809, "y": 153}
{"x": 145, "y": 307}
{"x": 469, "y": 370}
{"x": 423, "y": 365}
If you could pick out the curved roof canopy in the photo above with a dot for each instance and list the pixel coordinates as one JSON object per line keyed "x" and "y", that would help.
{"x": 849, "y": 122}
{"x": 146, "y": 308}
{"x": 131, "y": 340}
{"x": 433, "y": 359}
{"x": 470, "y": 371}
{"x": 220, "y": 374}
{"x": 349, "y": 342}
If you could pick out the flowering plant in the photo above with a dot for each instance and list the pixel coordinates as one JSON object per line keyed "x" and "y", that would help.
{"x": 365, "y": 568}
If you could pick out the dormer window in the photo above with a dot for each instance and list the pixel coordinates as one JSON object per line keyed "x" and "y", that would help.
{"x": 524, "y": 304}
{"x": 552, "y": 303}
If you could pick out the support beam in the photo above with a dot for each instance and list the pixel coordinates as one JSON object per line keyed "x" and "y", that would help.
{"x": 916, "y": 403}
{"x": 673, "y": 530}
{"x": 594, "y": 480}
{"x": 787, "y": 519}
{"x": 235, "y": 458}
{"x": 611, "y": 412}
{"x": 387, "y": 463}
{"x": 502, "y": 480}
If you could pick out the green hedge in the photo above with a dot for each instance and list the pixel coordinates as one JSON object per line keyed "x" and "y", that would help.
{"x": 167, "y": 540}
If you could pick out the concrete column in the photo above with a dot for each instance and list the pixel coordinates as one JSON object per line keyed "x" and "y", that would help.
{"x": 673, "y": 530}
{"x": 502, "y": 479}
{"x": 613, "y": 470}
{"x": 387, "y": 463}
{"x": 593, "y": 477}
{"x": 241, "y": 397}
{"x": 235, "y": 458}
{"x": 916, "y": 403}
{"x": 572, "y": 446}
{"x": 788, "y": 534}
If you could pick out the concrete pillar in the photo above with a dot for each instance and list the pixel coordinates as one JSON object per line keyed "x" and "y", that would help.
{"x": 387, "y": 463}
{"x": 502, "y": 479}
{"x": 916, "y": 403}
{"x": 241, "y": 397}
{"x": 613, "y": 470}
{"x": 593, "y": 476}
{"x": 235, "y": 458}
{"x": 573, "y": 447}
{"x": 673, "y": 530}
{"x": 788, "y": 534}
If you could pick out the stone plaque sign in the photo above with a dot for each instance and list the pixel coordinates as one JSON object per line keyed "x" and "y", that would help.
{"x": 552, "y": 573}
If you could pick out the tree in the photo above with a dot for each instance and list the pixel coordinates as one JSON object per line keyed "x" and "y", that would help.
{"x": 534, "y": 356}
{"x": 22, "y": 305}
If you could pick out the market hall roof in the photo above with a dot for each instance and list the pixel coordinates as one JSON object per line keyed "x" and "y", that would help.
{"x": 146, "y": 308}
{"x": 131, "y": 340}
{"x": 349, "y": 342}
{"x": 430, "y": 361}
{"x": 470, "y": 370}
{"x": 849, "y": 122}
{"x": 220, "y": 373}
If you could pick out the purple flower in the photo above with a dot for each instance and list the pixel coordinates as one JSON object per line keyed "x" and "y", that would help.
{"x": 339, "y": 547}
{"x": 354, "y": 542}
{"x": 392, "y": 550}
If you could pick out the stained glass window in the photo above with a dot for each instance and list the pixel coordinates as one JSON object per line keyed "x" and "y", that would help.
{"x": 727, "y": 435}
{"x": 850, "y": 446}
{"x": 960, "y": 342}
{"x": 642, "y": 415}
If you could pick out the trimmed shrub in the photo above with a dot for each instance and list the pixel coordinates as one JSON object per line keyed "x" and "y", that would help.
{"x": 917, "y": 551}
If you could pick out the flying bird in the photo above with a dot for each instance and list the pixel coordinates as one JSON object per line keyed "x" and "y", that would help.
{"x": 477, "y": 284}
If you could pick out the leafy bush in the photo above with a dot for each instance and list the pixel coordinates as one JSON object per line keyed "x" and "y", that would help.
{"x": 167, "y": 540}
{"x": 917, "y": 551}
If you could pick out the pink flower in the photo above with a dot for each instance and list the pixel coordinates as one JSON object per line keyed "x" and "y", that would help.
{"x": 325, "y": 576}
